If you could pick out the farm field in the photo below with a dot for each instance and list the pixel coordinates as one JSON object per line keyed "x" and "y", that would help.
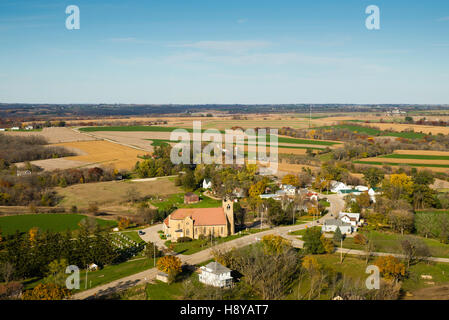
{"x": 415, "y": 158}
{"x": 54, "y": 135}
{"x": 104, "y": 153}
{"x": 52, "y": 222}
{"x": 378, "y": 132}
{"x": 113, "y": 194}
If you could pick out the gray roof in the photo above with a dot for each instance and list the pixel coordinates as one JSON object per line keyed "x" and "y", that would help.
{"x": 335, "y": 222}
{"x": 217, "y": 268}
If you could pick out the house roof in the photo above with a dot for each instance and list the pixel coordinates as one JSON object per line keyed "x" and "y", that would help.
{"x": 335, "y": 222}
{"x": 216, "y": 268}
{"x": 190, "y": 194}
{"x": 201, "y": 216}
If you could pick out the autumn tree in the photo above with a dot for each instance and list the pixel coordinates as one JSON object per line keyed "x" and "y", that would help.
{"x": 275, "y": 244}
{"x": 291, "y": 179}
{"x": 390, "y": 267}
{"x": 311, "y": 264}
{"x": 170, "y": 264}
{"x": 123, "y": 223}
{"x": 48, "y": 291}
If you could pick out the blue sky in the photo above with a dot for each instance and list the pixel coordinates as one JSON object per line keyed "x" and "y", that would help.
{"x": 233, "y": 51}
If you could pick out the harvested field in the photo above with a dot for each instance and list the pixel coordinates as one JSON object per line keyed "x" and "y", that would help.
{"x": 417, "y": 128}
{"x": 112, "y": 194}
{"x": 104, "y": 153}
{"x": 55, "y": 135}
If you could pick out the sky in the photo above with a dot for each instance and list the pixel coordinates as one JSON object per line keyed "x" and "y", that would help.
{"x": 233, "y": 51}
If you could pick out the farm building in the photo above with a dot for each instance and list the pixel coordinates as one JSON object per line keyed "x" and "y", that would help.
{"x": 191, "y": 197}
{"x": 215, "y": 274}
{"x": 193, "y": 222}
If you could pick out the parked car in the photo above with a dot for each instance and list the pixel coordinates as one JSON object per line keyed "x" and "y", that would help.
{"x": 141, "y": 233}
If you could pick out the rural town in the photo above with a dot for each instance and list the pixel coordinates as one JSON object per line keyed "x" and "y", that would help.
{"x": 223, "y": 157}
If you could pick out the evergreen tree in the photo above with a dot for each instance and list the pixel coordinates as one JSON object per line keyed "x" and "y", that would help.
{"x": 337, "y": 235}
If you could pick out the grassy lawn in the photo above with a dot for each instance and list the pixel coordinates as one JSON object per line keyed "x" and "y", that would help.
{"x": 107, "y": 274}
{"x": 177, "y": 200}
{"x": 164, "y": 291}
{"x": 354, "y": 267}
{"x": 133, "y": 235}
{"x": 195, "y": 246}
{"x": 52, "y": 222}
{"x": 391, "y": 242}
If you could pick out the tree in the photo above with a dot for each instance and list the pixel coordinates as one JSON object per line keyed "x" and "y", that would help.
{"x": 170, "y": 264}
{"x": 401, "y": 220}
{"x": 257, "y": 189}
{"x": 398, "y": 186}
{"x": 290, "y": 179}
{"x": 310, "y": 264}
{"x": 337, "y": 235}
{"x": 239, "y": 213}
{"x": 123, "y": 223}
{"x": 373, "y": 176}
{"x": 414, "y": 249}
{"x": 275, "y": 244}
{"x": 6, "y": 271}
{"x": 56, "y": 272}
{"x": 390, "y": 267}
{"x": 312, "y": 241}
{"x": 48, "y": 291}
{"x": 328, "y": 244}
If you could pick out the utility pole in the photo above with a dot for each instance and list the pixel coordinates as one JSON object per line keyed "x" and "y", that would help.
{"x": 154, "y": 254}
{"x": 87, "y": 270}
{"x": 310, "y": 116}
{"x": 341, "y": 249}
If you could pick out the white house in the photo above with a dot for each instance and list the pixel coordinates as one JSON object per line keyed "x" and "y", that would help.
{"x": 207, "y": 184}
{"x": 361, "y": 188}
{"x": 15, "y": 128}
{"x": 289, "y": 189}
{"x": 29, "y": 128}
{"x": 337, "y": 186}
{"x": 350, "y": 218}
{"x": 331, "y": 225}
{"x": 2, "y": 129}
{"x": 372, "y": 194}
{"x": 215, "y": 274}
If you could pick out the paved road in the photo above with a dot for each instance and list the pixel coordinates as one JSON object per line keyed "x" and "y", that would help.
{"x": 151, "y": 234}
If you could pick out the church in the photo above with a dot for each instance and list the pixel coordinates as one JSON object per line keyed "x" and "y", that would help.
{"x": 194, "y": 222}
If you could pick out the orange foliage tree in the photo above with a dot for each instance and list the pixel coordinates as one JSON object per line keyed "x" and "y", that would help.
{"x": 170, "y": 264}
{"x": 48, "y": 291}
{"x": 390, "y": 267}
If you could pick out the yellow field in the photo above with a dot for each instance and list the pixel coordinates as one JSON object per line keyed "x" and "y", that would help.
{"x": 104, "y": 153}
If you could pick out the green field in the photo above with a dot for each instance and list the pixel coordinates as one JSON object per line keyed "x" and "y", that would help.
{"x": 376, "y": 132}
{"x": 52, "y": 222}
{"x": 414, "y": 156}
{"x": 380, "y": 163}
{"x": 170, "y": 129}
{"x": 391, "y": 243}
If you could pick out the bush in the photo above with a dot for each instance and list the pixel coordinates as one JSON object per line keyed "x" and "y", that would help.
{"x": 184, "y": 239}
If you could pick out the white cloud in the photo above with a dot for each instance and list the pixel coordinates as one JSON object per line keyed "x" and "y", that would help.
{"x": 443, "y": 19}
{"x": 243, "y": 20}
